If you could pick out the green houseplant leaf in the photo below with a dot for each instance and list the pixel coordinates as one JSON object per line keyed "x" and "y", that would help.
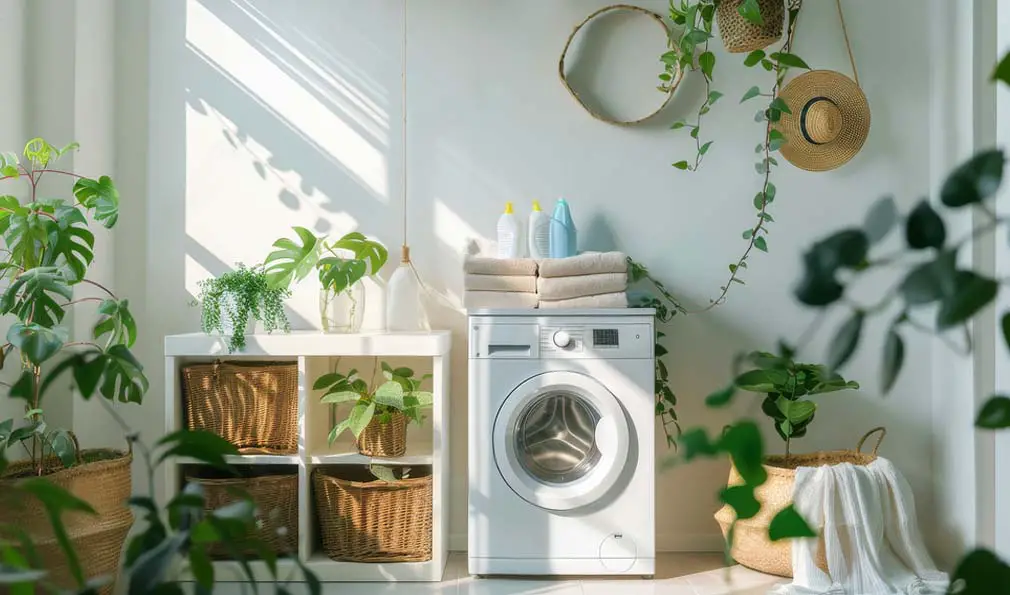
{"x": 361, "y": 415}
{"x": 924, "y": 228}
{"x": 32, "y": 296}
{"x": 117, "y": 322}
{"x": 843, "y": 345}
{"x": 995, "y": 413}
{"x": 372, "y": 253}
{"x": 71, "y": 244}
{"x": 337, "y": 274}
{"x": 974, "y": 180}
{"x": 894, "y": 358}
{"x": 123, "y": 376}
{"x": 292, "y": 261}
{"x": 973, "y": 292}
{"x": 788, "y": 524}
{"x": 36, "y": 342}
{"x": 101, "y": 197}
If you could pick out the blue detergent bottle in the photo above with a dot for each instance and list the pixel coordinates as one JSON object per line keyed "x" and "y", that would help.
{"x": 562, "y": 236}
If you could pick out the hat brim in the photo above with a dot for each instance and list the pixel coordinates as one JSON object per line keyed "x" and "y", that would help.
{"x": 855, "y": 120}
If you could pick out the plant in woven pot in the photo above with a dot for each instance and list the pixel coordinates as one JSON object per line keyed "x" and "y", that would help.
{"x": 48, "y": 249}
{"x": 341, "y": 265}
{"x": 230, "y": 303}
{"x": 379, "y": 416}
{"x": 748, "y": 25}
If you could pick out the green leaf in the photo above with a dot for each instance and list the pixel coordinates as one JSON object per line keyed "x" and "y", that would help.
{"x": 995, "y": 413}
{"x": 704, "y": 148}
{"x": 71, "y": 244}
{"x": 713, "y": 96}
{"x": 337, "y": 431}
{"x": 697, "y": 36}
{"x": 751, "y": 93}
{"x": 753, "y": 58}
{"x": 707, "y": 63}
{"x": 790, "y": 60}
{"x": 372, "y": 253}
{"x": 201, "y": 445}
{"x": 741, "y": 499}
{"x": 924, "y": 228}
{"x": 775, "y": 140}
{"x": 326, "y": 380}
{"x": 663, "y": 76}
{"x": 930, "y": 281}
{"x": 761, "y": 244}
{"x": 201, "y": 567}
{"x": 880, "y": 219}
{"x": 37, "y": 343}
{"x": 746, "y": 448}
{"x": 680, "y": 164}
{"x": 843, "y": 345}
{"x": 1005, "y": 323}
{"x": 391, "y": 394}
{"x": 360, "y": 415}
{"x": 779, "y": 104}
{"x": 382, "y": 473}
{"x": 32, "y": 297}
{"x": 748, "y": 234}
{"x": 980, "y": 573}
{"x": 894, "y": 358}
{"x": 761, "y": 380}
{"x": 117, "y": 322}
{"x": 788, "y": 524}
{"x": 796, "y": 411}
{"x": 721, "y": 397}
{"x": 767, "y": 65}
{"x": 974, "y": 180}
{"x": 678, "y": 125}
{"x": 973, "y": 293}
{"x": 338, "y": 274}
{"x": 292, "y": 261}
{"x": 695, "y": 132}
{"x": 101, "y": 197}
{"x": 695, "y": 443}
{"x": 152, "y": 566}
{"x": 14, "y": 575}
{"x": 1002, "y": 70}
{"x": 123, "y": 377}
{"x": 63, "y": 447}
{"x": 342, "y": 396}
{"x": 750, "y": 10}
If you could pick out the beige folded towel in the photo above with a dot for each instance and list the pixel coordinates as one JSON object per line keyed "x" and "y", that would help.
{"x": 524, "y": 284}
{"x": 565, "y": 288}
{"x": 584, "y": 264}
{"x": 606, "y": 300}
{"x": 513, "y": 267}
{"x": 498, "y": 299}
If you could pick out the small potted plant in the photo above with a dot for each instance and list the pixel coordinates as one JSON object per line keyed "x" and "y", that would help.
{"x": 379, "y": 415}
{"x": 341, "y": 266}
{"x": 231, "y": 302}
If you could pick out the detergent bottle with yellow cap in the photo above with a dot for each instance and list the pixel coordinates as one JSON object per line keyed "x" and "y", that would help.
{"x": 509, "y": 239}
{"x": 539, "y": 233}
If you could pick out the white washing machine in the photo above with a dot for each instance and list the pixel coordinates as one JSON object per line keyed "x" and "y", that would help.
{"x": 561, "y": 437}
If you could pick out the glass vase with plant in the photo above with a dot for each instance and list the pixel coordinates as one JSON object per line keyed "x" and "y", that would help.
{"x": 380, "y": 413}
{"x": 341, "y": 265}
{"x": 229, "y": 303}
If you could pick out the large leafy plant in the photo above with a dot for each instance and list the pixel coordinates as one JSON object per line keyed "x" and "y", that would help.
{"x": 400, "y": 391}
{"x": 339, "y": 264}
{"x": 228, "y": 303}
{"x": 48, "y": 249}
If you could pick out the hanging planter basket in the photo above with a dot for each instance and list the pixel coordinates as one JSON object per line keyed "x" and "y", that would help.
{"x": 384, "y": 439}
{"x": 751, "y": 546}
{"x": 740, "y": 35}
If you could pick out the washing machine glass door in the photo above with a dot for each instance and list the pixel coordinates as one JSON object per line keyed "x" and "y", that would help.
{"x": 561, "y": 440}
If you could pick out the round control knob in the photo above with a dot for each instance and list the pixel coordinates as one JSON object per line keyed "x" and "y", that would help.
{"x": 562, "y": 339}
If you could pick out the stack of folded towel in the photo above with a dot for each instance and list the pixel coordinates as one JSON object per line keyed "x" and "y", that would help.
{"x": 499, "y": 283}
{"x": 592, "y": 280}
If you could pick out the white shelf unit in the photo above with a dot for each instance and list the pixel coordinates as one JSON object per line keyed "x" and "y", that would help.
{"x": 311, "y": 350}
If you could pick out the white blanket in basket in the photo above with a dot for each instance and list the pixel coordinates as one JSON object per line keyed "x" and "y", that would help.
{"x": 871, "y": 538}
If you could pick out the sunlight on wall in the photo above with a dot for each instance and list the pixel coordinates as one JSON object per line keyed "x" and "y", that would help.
{"x": 453, "y": 231}
{"x": 263, "y": 78}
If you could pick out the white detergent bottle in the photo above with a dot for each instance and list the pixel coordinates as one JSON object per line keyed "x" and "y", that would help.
{"x": 539, "y": 233}
{"x": 509, "y": 240}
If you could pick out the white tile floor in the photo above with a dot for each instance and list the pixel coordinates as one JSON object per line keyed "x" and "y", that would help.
{"x": 676, "y": 574}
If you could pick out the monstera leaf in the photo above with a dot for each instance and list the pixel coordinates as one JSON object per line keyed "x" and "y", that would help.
{"x": 337, "y": 274}
{"x": 70, "y": 244}
{"x": 292, "y": 261}
{"x": 32, "y": 296}
{"x": 37, "y": 343}
{"x": 26, "y": 234}
{"x": 123, "y": 378}
{"x": 117, "y": 322}
{"x": 373, "y": 253}
{"x": 101, "y": 197}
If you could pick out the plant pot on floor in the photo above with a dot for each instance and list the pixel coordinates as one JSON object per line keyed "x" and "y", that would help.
{"x": 102, "y": 478}
{"x": 384, "y": 439}
{"x": 342, "y": 311}
{"x": 751, "y": 546}
{"x": 740, "y": 35}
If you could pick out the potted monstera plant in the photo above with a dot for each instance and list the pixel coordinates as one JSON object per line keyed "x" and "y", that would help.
{"x": 341, "y": 265}
{"x": 48, "y": 249}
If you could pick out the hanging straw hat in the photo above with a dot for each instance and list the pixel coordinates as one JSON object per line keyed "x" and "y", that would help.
{"x": 828, "y": 123}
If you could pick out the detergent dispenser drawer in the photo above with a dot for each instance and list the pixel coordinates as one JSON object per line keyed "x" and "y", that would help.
{"x": 504, "y": 341}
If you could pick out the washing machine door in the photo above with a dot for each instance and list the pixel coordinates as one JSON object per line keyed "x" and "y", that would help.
{"x": 561, "y": 440}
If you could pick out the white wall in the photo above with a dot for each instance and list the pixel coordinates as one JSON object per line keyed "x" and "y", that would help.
{"x": 263, "y": 116}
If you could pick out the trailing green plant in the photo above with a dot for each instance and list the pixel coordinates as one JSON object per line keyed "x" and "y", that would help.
{"x": 228, "y": 302}
{"x": 292, "y": 262}
{"x": 933, "y": 281}
{"x": 401, "y": 392}
{"x": 174, "y": 546}
{"x": 48, "y": 249}
{"x": 786, "y": 385}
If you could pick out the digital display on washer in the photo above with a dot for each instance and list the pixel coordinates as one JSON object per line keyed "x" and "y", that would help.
{"x": 605, "y": 337}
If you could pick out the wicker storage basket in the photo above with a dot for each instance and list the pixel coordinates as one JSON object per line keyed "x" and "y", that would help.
{"x": 253, "y": 405}
{"x": 751, "y": 546}
{"x": 363, "y": 519}
{"x": 275, "y": 495}
{"x": 102, "y": 478}
{"x": 740, "y": 35}
{"x": 384, "y": 440}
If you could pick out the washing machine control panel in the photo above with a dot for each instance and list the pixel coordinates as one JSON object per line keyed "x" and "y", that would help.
{"x": 607, "y": 341}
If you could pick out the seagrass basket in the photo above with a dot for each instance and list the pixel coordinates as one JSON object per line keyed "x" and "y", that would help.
{"x": 751, "y": 546}
{"x": 384, "y": 439}
{"x": 253, "y": 405}
{"x": 274, "y": 493}
{"x": 740, "y": 35}
{"x": 364, "y": 519}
